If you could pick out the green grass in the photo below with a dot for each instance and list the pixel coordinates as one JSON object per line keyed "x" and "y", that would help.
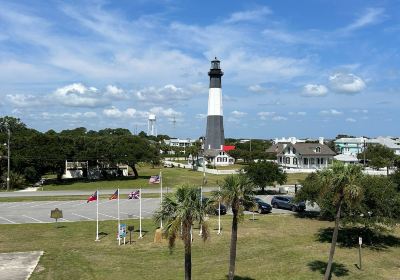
{"x": 172, "y": 177}
{"x": 272, "y": 247}
{"x": 296, "y": 178}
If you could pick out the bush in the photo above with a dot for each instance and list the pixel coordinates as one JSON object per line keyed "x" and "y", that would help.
{"x": 31, "y": 175}
{"x": 17, "y": 181}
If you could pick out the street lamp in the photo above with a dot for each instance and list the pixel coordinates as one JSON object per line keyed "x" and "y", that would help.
{"x": 8, "y": 159}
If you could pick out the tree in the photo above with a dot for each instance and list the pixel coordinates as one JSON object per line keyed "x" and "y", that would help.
{"x": 379, "y": 156}
{"x": 341, "y": 186}
{"x": 17, "y": 181}
{"x": 236, "y": 192}
{"x": 395, "y": 177}
{"x": 264, "y": 173}
{"x": 179, "y": 211}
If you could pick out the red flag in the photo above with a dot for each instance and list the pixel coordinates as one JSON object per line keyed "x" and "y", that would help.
{"x": 114, "y": 196}
{"x": 93, "y": 197}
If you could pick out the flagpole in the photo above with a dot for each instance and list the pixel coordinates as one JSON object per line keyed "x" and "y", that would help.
{"x": 219, "y": 211}
{"x": 201, "y": 208}
{"x": 97, "y": 216}
{"x": 119, "y": 238}
{"x": 140, "y": 213}
{"x": 161, "y": 198}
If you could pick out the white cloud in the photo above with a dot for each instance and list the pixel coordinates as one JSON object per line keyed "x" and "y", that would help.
{"x": 114, "y": 112}
{"x": 346, "y": 83}
{"x": 166, "y": 94}
{"x": 364, "y": 111}
{"x": 201, "y": 116}
{"x": 314, "y": 90}
{"x": 258, "y": 89}
{"x": 238, "y": 114}
{"x": 251, "y": 15}
{"x": 74, "y": 115}
{"x": 297, "y": 113}
{"x": 22, "y": 100}
{"x": 351, "y": 120}
{"x": 78, "y": 95}
{"x": 165, "y": 112}
{"x": 369, "y": 17}
{"x": 331, "y": 112}
{"x": 265, "y": 115}
{"x": 279, "y": 118}
{"x": 115, "y": 92}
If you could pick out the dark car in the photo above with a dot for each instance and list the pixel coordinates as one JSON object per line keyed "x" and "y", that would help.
{"x": 261, "y": 206}
{"x": 286, "y": 202}
{"x": 214, "y": 207}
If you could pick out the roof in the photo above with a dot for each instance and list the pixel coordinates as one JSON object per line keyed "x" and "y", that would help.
{"x": 358, "y": 140}
{"x": 229, "y": 148}
{"x": 302, "y": 149}
{"x": 346, "y": 158}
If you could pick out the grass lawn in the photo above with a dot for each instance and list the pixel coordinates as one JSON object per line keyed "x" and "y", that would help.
{"x": 172, "y": 177}
{"x": 295, "y": 178}
{"x": 272, "y": 247}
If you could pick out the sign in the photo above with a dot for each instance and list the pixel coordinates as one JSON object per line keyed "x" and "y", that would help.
{"x": 56, "y": 214}
{"x": 360, "y": 240}
{"x": 122, "y": 230}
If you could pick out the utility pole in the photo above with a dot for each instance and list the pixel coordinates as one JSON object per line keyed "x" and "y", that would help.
{"x": 8, "y": 159}
{"x": 364, "y": 153}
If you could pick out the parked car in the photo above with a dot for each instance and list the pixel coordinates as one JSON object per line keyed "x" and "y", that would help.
{"x": 214, "y": 209}
{"x": 286, "y": 202}
{"x": 260, "y": 206}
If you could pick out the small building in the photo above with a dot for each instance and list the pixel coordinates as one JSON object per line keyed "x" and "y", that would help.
{"x": 81, "y": 169}
{"x": 302, "y": 155}
{"x": 218, "y": 157}
{"x": 176, "y": 142}
{"x": 350, "y": 146}
{"x": 391, "y": 143}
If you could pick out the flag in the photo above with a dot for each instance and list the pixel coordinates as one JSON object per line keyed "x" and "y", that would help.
{"x": 114, "y": 196}
{"x": 92, "y": 197}
{"x": 134, "y": 195}
{"x": 154, "y": 179}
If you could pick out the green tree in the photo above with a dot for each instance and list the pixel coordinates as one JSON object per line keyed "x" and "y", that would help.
{"x": 395, "y": 177}
{"x": 236, "y": 192}
{"x": 379, "y": 156}
{"x": 179, "y": 211}
{"x": 17, "y": 181}
{"x": 264, "y": 173}
{"x": 341, "y": 186}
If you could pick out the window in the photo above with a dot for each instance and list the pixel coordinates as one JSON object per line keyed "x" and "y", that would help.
{"x": 318, "y": 150}
{"x": 287, "y": 160}
{"x": 322, "y": 161}
{"x": 294, "y": 150}
{"x": 218, "y": 159}
{"x": 312, "y": 160}
{"x": 317, "y": 160}
{"x": 280, "y": 159}
{"x": 305, "y": 161}
{"x": 288, "y": 150}
{"x": 295, "y": 161}
{"x": 225, "y": 159}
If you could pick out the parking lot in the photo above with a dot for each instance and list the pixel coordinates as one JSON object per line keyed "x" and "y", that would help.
{"x": 80, "y": 210}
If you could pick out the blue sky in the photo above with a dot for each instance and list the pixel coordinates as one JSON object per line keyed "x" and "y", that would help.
{"x": 292, "y": 68}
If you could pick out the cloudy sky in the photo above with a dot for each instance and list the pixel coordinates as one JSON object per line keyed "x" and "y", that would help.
{"x": 292, "y": 68}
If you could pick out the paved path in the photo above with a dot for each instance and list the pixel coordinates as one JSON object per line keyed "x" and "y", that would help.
{"x": 19, "y": 265}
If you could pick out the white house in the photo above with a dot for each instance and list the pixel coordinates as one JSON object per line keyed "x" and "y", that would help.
{"x": 176, "y": 142}
{"x": 391, "y": 143}
{"x": 218, "y": 158}
{"x": 303, "y": 155}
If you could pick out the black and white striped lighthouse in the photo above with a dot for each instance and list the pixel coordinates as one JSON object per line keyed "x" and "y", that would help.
{"x": 215, "y": 125}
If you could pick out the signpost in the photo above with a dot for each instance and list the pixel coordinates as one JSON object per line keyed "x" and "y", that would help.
{"x": 121, "y": 233}
{"x": 359, "y": 249}
{"x": 130, "y": 228}
{"x": 56, "y": 214}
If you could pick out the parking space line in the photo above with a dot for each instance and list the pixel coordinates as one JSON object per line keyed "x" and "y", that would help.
{"x": 108, "y": 216}
{"x": 82, "y": 216}
{"x": 33, "y": 218}
{"x": 8, "y": 220}
{"x": 43, "y": 204}
{"x": 66, "y": 202}
{"x": 23, "y": 204}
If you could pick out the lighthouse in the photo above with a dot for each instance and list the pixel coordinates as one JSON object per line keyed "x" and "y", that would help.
{"x": 215, "y": 125}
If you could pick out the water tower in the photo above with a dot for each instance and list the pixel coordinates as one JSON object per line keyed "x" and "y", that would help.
{"x": 151, "y": 128}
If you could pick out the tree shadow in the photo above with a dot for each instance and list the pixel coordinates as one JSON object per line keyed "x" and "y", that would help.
{"x": 313, "y": 215}
{"x": 237, "y": 277}
{"x": 338, "y": 269}
{"x": 348, "y": 238}
{"x": 266, "y": 192}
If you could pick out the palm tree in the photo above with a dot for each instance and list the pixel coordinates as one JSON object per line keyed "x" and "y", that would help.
{"x": 341, "y": 181}
{"x": 236, "y": 192}
{"x": 179, "y": 211}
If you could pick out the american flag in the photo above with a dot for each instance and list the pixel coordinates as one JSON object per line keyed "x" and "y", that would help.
{"x": 154, "y": 179}
{"x": 92, "y": 197}
{"x": 134, "y": 195}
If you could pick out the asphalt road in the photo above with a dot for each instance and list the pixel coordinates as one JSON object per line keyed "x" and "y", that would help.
{"x": 80, "y": 210}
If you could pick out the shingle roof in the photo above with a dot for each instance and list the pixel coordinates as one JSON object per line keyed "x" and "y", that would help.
{"x": 303, "y": 149}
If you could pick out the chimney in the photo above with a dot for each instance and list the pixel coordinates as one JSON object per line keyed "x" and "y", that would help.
{"x": 321, "y": 140}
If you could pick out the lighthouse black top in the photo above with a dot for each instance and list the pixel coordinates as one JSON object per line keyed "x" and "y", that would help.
{"x": 215, "y": 74}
